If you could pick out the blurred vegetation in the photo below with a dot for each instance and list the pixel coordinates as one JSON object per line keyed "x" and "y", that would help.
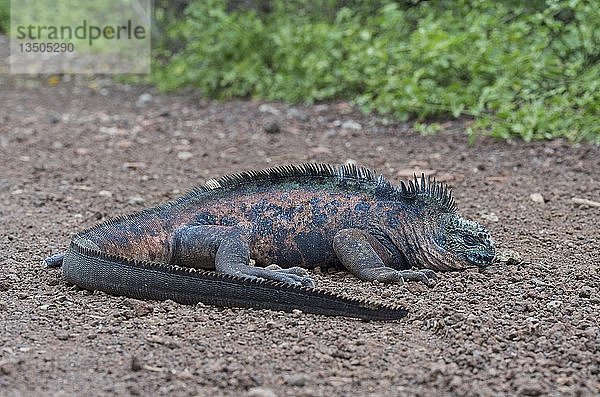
{"x": 526, "y": 69}
{"x": 4, "y": 15}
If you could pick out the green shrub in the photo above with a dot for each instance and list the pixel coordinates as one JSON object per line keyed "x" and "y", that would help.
{"x": 531, "y": 71}
{"x": 4, "y": 15}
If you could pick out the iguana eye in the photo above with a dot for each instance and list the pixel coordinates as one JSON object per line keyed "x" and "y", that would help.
{"x": 470, "y": 240}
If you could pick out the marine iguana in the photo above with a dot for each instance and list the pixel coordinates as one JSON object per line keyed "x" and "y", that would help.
{"x": 287, "y": 218}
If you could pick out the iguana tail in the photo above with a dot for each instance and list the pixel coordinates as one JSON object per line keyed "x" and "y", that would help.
{"x": 93, "y": 269}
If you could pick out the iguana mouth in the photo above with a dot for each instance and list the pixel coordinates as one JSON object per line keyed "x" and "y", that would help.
{"x": 480, "y": 259}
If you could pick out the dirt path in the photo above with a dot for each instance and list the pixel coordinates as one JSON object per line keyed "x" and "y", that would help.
{"x": 74, "y": 154}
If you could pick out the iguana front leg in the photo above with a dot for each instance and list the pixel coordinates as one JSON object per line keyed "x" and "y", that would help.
{"x": 225, "y": 248}
{"x": 354, "y": 248}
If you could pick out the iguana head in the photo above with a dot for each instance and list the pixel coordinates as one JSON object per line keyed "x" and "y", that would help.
{"x": 436, "y": 237}
{"x": 466, "y": 241}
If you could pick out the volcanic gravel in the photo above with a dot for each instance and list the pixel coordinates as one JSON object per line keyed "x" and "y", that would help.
{"x": 75, "y": 152}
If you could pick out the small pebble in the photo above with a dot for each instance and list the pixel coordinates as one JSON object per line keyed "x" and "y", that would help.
{"x": 136, "y": 200}
{"x": 296, "y": 380}
{"x": 134, "y": 165}
{"x": 105, "y": 193}
{"x": 555, "y": 304}
{"x": 261, "y": 392}
{"x": 585, "y": 292}
{"x": 296, "y": 313}
{"x": 143, "y": 99}
{"x": 270, "y": 324}
{"x": 491, "y": 217}
{"x": 136, "y": 363}
{"x": 351, "y": 125}
{"x": 184, "y": 155}
{"x": 537, "y": 198}
{"x": 320, "y": 150}
{"x": 295, "y": 113}
{"x": 272, "y": 127}
{"x": 530, "y": 387}
{"x": 7, "y": 367}
{"x": 53, "y": 118}
{"x": 266, "y": 108}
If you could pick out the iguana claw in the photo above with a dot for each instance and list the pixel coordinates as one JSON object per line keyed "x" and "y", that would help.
{"x": 287, "y": 276}
{"x": 426, "y": 276}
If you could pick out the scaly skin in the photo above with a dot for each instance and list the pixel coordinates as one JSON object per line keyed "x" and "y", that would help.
{"x": 287, "y": 219}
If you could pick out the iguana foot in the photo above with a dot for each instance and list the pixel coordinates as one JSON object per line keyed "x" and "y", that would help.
{"x": 293, "y": 275}
{"x": 389, "y": 275}
{"x": 297, "y": 270}
{"x": 426, "y": 276}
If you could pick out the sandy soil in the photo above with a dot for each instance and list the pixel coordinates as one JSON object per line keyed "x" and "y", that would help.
{"x": 76, "y": 153}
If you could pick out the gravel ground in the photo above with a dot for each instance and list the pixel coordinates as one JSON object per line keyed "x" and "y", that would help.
{"x": 74, "y": 153}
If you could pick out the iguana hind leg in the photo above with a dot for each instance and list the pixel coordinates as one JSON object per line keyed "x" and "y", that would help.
{"x": 354, "y": 248}
{"x": 226, "y": 249}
